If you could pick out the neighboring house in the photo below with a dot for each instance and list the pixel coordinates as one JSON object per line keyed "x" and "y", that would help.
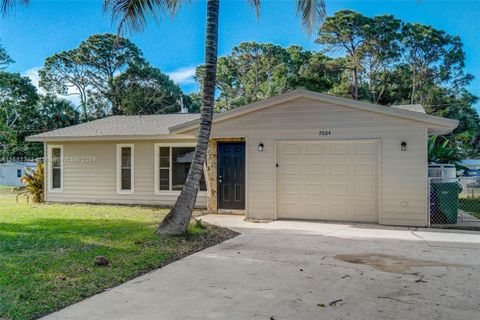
{"x": 11, "y": 173}
{"x": 472, "y": 164}
{"x": 300, "y": 155}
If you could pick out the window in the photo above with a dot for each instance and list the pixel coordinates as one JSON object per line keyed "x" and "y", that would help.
{"x": 19, "y": 173}
{"x": 55, "y": 173}
{"x": 172, "y": 166}
{"x": 125, "y": 168}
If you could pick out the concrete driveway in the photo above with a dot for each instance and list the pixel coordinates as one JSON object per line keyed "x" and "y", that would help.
{"x": 306, "y": 270}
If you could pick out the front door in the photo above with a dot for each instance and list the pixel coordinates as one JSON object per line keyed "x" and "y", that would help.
{"x": 231, "y": 175}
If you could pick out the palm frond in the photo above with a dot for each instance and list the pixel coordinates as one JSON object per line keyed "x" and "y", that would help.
{"x": 133, "y": 14}
{"x": 7, "y": 5}
{"x": 312, "y": 12}
{"x": 256, "y": 5}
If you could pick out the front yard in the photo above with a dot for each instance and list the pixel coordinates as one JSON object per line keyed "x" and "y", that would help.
{"x": 47, "y": 252}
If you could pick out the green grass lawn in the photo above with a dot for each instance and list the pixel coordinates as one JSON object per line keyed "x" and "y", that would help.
{"x": 470, "y": 205}
{"x": 47, "y": 252}
{"x": 4, "y": 189}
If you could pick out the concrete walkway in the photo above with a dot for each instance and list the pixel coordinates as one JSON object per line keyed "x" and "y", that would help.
{"x": 306, "y": 270}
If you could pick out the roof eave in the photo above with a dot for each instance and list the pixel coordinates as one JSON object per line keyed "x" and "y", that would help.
{"x": 109, "y": 138}
{"x": 442, "y": 130}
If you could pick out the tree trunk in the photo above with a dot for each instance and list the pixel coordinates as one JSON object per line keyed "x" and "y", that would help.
{"x": 414, "y": 85}
{"x": 112, "y": 96}
{"x": 178, "y": 219}
{"x": 355, "y": 83}
{"x": 83, "y": 101}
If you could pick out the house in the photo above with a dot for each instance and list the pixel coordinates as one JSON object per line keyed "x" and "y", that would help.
{"x": 472, "y": 164}
{"x": 11, "y": 173}
{"x": 300, "y": 155}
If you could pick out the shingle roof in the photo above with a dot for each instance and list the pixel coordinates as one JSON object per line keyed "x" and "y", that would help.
{"x": 118, "y": 126}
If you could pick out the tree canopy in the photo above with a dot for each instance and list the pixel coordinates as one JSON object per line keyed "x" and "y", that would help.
{"x": 110, "y": 76}
{"x": 255, "y": 71}
{"x": 107, "y": 73}
{"x": 377, "y": 59}
{"x": 5, "y": 59}
{"x": 145, "y": 90}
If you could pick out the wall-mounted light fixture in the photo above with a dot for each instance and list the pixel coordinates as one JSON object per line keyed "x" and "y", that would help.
{"x": 261, "y": 147}
{"x": 404, "y": 146}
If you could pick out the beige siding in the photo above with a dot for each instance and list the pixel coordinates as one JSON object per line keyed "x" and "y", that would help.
{"x": 96, "y": 181}
{"x": 403, "y": 183}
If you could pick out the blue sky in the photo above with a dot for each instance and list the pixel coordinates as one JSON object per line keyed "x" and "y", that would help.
{"x": 176, "y": 44}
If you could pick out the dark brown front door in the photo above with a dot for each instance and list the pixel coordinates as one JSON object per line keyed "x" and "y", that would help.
{"x": 231, "y": 175}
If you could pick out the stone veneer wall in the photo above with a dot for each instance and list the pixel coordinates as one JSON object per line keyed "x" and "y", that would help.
{"x": 211, "y": 167}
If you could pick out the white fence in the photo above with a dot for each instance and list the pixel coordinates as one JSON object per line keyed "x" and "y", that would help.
{"x": 470, "y": 186}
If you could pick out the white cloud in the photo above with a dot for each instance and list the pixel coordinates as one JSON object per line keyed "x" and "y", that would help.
{"x": 183, "y": 75}
{"x": 33, "y": 75}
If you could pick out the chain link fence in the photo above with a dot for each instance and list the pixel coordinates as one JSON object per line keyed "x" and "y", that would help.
{"x": 455, "y": 203}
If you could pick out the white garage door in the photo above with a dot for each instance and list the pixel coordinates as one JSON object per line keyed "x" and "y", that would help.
{"x": 328, "y": 180}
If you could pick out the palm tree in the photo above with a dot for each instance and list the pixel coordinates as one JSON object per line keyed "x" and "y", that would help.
{"x": 133, "y": 14}
{"x": 6, "y": 5}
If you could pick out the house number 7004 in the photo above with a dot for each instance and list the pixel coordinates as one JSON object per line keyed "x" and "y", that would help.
{"x": 325, "y": 132}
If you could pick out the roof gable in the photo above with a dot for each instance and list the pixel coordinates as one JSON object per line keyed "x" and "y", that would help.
{"x": 438, "y": 124}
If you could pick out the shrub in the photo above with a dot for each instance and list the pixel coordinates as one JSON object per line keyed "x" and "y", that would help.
{"x": 34, "y": 180}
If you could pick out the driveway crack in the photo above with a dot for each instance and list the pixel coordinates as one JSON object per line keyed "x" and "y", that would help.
{"x": 421, "y": 238}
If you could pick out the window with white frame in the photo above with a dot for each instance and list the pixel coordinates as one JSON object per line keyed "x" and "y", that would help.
{"x": 125, "y": 167}
{"x": 172, "y": 166}
{"x": 55, "y": 173}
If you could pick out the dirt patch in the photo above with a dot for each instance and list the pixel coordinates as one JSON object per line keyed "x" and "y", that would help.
{"x": 394, "y": 264}
{"x": 199, "y": 242}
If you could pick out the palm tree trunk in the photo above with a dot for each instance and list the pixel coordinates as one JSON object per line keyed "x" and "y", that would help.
{"x": 178, "y": 219}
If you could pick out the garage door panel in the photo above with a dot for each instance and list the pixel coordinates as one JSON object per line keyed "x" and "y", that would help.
{"x": 292, "y": 149}
{"x": 365, "y": 169}
{"x": 339, "y": 169}
{"x": 316, "y": 211}
{"x": 315, "y": 189}
{"x": 339, "y": 211}
{"x": 338, "y": 149}
{"x": 364, "y": 149}
{"x": 364, "y": 190}
{"x": 289, "y": 208}
{"x": 364, "y": 209}
{"x": 292, "y": 178}
{"x": 291, "y": 188}
{"x": 328, "y": 180}
{"x": 315, "y": 169}
{"x": 292, "y": 197}
{"x": 339, "y": 189}
{"x": 315, "y": 149}
{"x": 291, "y": 168}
